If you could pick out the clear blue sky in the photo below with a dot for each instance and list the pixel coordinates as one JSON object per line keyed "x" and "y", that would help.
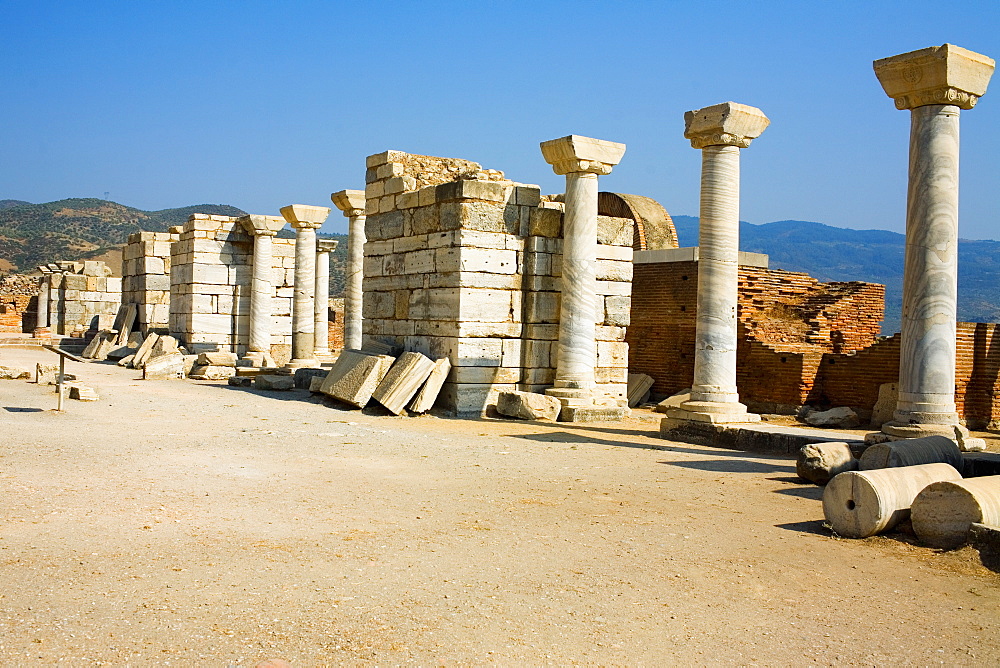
{"x": 262, "y": 104}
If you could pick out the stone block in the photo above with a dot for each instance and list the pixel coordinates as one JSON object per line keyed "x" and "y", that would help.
{"x": 11, "y": 373}
{"x": 593, "y": 413}
{"x": 241, "y": 381}
{"x": 466, "y": 189}
{"x": 354, "y": 377}
{"x": 264, "y": 381}
{"x": 484, "y": 305}
{"x": 82, "y": 392}
{"x": 617, "y": 310}
{"x": 638, "y": 388}
{"x": 842, "y": 417}
{"x": 217, "y": 358}
{"x": 403, "y": 381}
{"x": 614, "y": 231}
{"x": 424, "y": 400}
{"x": 142, "y": 354}
{"x": 614, "y": 270}
{"x": 612, "y": 354}
{"x": 164, "y": 367}
{"x": 528, "y": 406}
{"x": 304, "y": 376}
{"x": 208, "y": 372}
{"x": 819, "y": 462}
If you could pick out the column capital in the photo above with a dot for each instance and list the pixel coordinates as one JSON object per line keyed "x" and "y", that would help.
{"x": 726, "y": 124}
{"x": 351, "y": 202}
{"x": 326, "y": 245}
{"x": 576, "y": 154}
{"x": 262, "y": 226}
{"x": 945, "y": 74}
{"x": 301, "y": 216}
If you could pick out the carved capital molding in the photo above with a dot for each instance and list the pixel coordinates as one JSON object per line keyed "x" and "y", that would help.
{"x": 720, "y": 139}
{"x": 574, "y": 154}
{"x": 945, "y": 74}
{"x": 726, "y": 124}
{"x": 355, "y": 213}
{"x": 574, "y": 166}
{"x": 960, "y": 98}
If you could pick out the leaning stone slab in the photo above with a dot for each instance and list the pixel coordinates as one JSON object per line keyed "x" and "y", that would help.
{"x": 402, "y": 381}
{"x": 266, "y": 381}
{"x": 163, "y": 367}
{"x": 528, "y": 405}
{"x": 127, "y": 360}
{"x": 943, "y": 512}
{"x": 638, "y": 387}
{"x": 428, "y": 394}
{"x": 316, "y": 384}
{"x": 118, "y": 352}
{"x": 859, "y": 504}
{"x": 673, "y": 401}
{"x": 204, "y": 372}
{"x": 142, "y": 354}
{"x": 819, "y": 462}
{"x": 910, "y": 452}
{"x": 842, "y": 417}
{"x": 354, "y": 377}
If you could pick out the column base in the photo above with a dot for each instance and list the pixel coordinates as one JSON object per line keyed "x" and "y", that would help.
{"x": 302, "y": 363}
{"x": 898, "y": 430}
{"x": 712, "y": 411}
{"x": 571, "y": 397}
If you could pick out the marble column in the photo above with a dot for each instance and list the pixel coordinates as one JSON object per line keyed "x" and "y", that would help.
{"x": 322, "y": 305}
{"x": 720, "y": 131}
{"x": 581, "y": 160}
{"x": 305, "y": 220}
{"x": 934, "y": 84}
{"x": 263, "y": 229}
{"x": 352, "y": 203}
{"x": 42, "y": 321}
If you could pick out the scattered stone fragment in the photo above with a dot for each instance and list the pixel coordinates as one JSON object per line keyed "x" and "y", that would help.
{"x": 373, "y": 347}
{"x": 885, "y": 406}
{"x": 911, "y": 451}
{"x": 241, "y": 381}
{"x": 638, "y": 387}
{"x": 126, "y": 361}
{"x": 142, "y": 354}
{"x": 842, "y": 417}
{"x": 944, "y": 511}
{"x": 266, "y": 381}
{"x": 316, "y": 384}
{"x": 82, "y": 393}
{"x": 249, "y": 371}
{"x": 45, "y": 372}
{"x": 428, "y": 394}
{"x": 858, "y": 504}
{"x": 673, "y": 401}
{"x": 201, "y": 372}
{"x": 819, "y": 462}
{"x": 304, "y": 375}
{"x": 118, "y": 352}
{"x": 528, "y": 406}
{"x": 164, "y": 367}
{"x": 402, "y": 381}
{"x": 10, "y": 373}
{"x": 593, "y": 413}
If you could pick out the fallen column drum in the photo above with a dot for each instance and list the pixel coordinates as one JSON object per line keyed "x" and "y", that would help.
{"x": 858, "y": 504}
{"x": 942, "y": 512}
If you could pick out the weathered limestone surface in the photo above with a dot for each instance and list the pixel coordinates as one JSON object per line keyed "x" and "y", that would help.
{"x": 146, "y": 264}
{"x": 354, "y": 377}
{"x": 273, "y": 382}
{"x": 912, "y": 451}
{"x": 528, "y": 405}
{"x": 720, "y": 131}
{"x": 163, "y": 367}
{"x": 819, "y": 462}
{"x": 934, "y": 83}
{"x": 80, "y": 294}
{"x": 943, "y": 512}
{"x": 322, "y": 302}
{"x": 842, "y": 417}
{"x": 859, "y": 504}
{"x": 638, "y": 388}
{"x": 403, "y": 381}
{"x": 209, "y": 372}
{"x": 428, "y": 394}
{"x": 263, "y": 229}
{"x": 352, "y": 204}
{"x": 217, "y": 358}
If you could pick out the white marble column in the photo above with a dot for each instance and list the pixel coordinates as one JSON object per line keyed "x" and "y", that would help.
{"x": 306, "y": 220}
{"x": 322, "y": 304}
{"x": 720, "y": 131}
{"x": 352, "y": 203}
{"x": 934, "y": 83}
{"x": 42, "y": 321}
{"x": 263, "y": 229}
{"x": 581, "y": 160}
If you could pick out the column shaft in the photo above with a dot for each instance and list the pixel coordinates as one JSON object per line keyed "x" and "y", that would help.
{"x": 321, "y": 343}
{"x": 355, "y": 279}
{"x": 261, "y": 294}
{"x": 577, "y": 348}
{"x": 43, "y": 303}
{"x": 930, "y": 277}
{"x": 718, "y": 276}
{"x": 303, "y": 315}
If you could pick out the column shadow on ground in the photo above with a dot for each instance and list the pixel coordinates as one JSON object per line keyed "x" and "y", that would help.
{"x": 728, "y": 466}
{"x": 23, "y": 409}
{"x": 796, "y": 487}
{"x": 814, "y": 527}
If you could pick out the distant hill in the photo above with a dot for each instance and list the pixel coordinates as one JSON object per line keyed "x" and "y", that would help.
{"x": 74, "y": 229}
{"x": 837, "y": 254}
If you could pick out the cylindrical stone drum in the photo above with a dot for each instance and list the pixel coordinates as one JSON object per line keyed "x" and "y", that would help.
{"x": 942, "y": 512}
{"x": 911, "y": 452}
{"x": 858, "y": 504}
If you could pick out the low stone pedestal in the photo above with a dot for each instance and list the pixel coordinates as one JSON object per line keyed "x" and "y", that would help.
{"x": 712, "y": 412}
{"x": 753, "y": 437}
{"x": 593, "y": 413}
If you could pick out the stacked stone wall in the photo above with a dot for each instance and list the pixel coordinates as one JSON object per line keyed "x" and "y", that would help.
{"x": 146, "y": 278}
{"x": 210, "y": 278}
{"x": 80, "y": 295}
{"x": 468, "y": 266}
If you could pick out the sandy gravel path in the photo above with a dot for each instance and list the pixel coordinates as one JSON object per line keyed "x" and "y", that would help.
{"x": 184, "y": 523}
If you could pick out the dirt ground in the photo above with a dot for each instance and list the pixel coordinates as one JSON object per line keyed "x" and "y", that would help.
{"x": 186, "y": 523}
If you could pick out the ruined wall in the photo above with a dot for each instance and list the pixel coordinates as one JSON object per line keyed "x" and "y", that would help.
{"x": 18, "y": 302}
{"x": 463, "y": 263}
{"x": 81, "y": 295}
{"x": 146, "y": 278}
{"x": 210, "y": 278}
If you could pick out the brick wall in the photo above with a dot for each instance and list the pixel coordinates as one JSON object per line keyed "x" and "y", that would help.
{"x": 18, "y": 302}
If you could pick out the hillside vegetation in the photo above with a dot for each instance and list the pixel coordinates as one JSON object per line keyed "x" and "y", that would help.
{"x": 838, "y": 254}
